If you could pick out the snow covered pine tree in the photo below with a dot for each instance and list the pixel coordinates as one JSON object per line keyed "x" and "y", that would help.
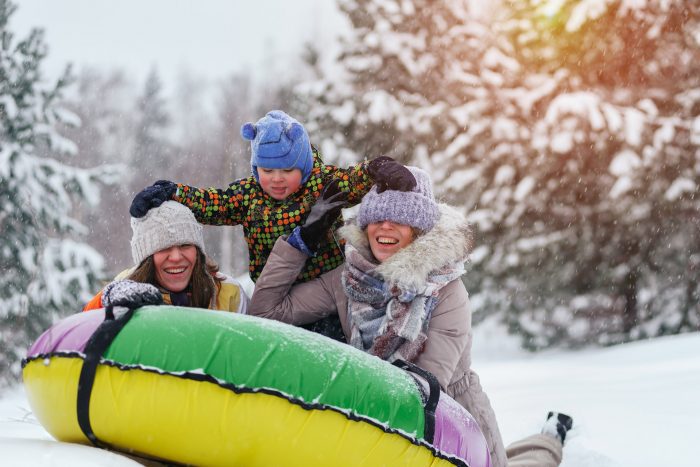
{"x": 45, "y": 271}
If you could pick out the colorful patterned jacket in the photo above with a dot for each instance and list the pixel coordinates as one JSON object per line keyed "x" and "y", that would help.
{"x": 264, "y": 219}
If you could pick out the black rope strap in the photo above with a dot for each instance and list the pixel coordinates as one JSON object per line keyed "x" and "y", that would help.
{"x": 125, "y": 293}
{"x": 432, "y": 399}
{"x": 94, "y": 350}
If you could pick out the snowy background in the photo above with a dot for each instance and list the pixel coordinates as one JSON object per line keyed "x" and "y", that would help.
{"x": 633, "y": 405}
{"x": 568, "y": 132}
{"x": 210, "y": 38}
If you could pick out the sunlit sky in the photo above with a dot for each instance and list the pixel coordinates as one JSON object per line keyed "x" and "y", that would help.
{"x": 211, "y": 38}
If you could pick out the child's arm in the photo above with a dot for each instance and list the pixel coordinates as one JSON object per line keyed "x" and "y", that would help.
{"x": 213, "y": 206}
{"x": 354, "y": 180}
{"x": 382, "y": 171}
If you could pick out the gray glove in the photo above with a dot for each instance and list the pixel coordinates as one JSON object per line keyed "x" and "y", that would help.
{"x": 323, "y": 214}
{"x": 130, "y": 294}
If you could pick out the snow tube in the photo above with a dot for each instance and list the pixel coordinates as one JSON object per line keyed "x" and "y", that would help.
{"x": 202, "y": 387}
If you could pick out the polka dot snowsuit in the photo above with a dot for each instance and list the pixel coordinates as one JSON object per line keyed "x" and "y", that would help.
{"x": 264, "y": 218}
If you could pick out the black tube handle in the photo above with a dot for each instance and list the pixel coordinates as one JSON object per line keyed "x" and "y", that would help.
{"x": 432, "y": 399}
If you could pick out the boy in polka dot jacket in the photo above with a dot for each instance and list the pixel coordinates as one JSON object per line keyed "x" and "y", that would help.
{"x": 287, "y": 178}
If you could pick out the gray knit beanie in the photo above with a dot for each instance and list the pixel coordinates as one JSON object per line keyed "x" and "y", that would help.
{"x": 416, "y": 208}
{"x": 168, "y": 225}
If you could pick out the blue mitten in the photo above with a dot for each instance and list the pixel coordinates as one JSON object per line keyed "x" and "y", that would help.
{"x": 152, "y": 197}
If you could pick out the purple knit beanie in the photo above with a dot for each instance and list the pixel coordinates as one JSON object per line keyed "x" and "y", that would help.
{"x": 416, "y": 208}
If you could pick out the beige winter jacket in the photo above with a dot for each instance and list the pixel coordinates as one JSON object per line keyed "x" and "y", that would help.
{"x": 447, "y": 353}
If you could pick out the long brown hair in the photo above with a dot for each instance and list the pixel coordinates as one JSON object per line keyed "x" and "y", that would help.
{"x": 204, "y": 284}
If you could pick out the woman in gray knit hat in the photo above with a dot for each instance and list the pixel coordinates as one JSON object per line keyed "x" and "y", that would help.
{"x": 168, "y": 251}
{"x": 399, "y": 296}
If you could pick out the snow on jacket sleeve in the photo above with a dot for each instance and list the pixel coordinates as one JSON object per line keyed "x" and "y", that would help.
{"x": 214, "y": 206}
{"x": 275, "y": 298}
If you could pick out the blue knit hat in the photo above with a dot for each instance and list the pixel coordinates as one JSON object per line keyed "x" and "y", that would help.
{"x": 416, "y": 208}
{"x": 279, "y": 142}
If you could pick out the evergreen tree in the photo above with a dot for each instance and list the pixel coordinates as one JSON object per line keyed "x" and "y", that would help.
{"x": 234, "y": 106}
{"x": 615, "y": 172}
{"x": 45, "y": 270}
{"x": 575, "y": 164}
{"x": 429, "y": 84}
{"x": 103, "y": 102}
{"x": 211, "y": 152}
{"x": 151, "y": 151}
{"x": 415, "y": 75}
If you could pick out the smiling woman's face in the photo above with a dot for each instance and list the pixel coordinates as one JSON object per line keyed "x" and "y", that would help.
{"x": 174, "y": 266}
{"x": 386, "y": 238}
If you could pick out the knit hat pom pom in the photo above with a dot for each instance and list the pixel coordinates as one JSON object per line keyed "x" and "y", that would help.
{"x": 295, "y": 131}
{"x": 248, "y": 131}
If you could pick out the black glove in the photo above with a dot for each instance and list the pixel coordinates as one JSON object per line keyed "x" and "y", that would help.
{"x": 390, "y": 175}
{"x": 152, "y": 197}
{"x": 130, "y": 294}
{"x": 323, "y": 214}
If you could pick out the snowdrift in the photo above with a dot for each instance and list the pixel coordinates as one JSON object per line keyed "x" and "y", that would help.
{"x": 208, "y": 388}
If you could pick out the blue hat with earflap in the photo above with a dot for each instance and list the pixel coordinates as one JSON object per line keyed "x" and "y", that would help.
{"x": 279, "y": 142}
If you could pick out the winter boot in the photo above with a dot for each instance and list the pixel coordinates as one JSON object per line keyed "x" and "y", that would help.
{"x": 557, "y": 424}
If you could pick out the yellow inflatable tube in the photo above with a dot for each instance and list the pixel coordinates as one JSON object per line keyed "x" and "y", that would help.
{"x": 207, "y": 388}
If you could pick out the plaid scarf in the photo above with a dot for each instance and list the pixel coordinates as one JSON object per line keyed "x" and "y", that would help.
{"x": 388, "y": 320}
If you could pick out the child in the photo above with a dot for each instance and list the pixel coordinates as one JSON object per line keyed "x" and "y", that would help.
{"x": 287, "y": 178}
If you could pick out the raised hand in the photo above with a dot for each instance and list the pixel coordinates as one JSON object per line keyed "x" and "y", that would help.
{"x": 152, "y": 197}
{"x": 323, "y": 214}
{"x": 390, "y": 175}
{"x": 130, "y": 294}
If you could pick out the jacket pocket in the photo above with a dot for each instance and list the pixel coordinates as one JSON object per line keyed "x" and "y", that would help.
{"x": 459, "y": 386}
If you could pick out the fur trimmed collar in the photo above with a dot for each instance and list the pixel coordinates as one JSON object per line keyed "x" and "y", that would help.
{"x": 449, "y": 242}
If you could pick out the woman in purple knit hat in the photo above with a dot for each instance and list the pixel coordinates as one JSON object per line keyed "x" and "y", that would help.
{"x": 399, "y": 296}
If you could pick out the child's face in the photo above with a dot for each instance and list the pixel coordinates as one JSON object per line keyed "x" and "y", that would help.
{"x": 279, "y": 183}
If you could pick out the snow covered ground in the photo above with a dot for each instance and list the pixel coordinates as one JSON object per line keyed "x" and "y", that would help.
{"x": 633, "y": 405}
